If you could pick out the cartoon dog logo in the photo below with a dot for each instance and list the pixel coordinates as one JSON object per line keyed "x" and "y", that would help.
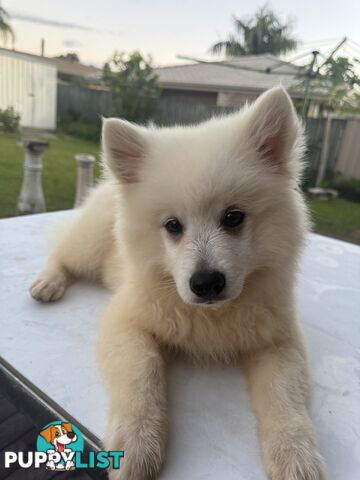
{"x": 60, "y": 436}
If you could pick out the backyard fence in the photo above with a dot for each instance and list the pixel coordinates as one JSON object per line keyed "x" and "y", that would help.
{"x": 315, "y": 133}
{"x": 169, "y": 113}
{"x": 348, "y": 162}
{"x": 341, "y": 144}
{"x": 342, "y": 153}
{"x": 342, "y": 134}
{"x": 83, "y": 103}
{"x": 89, "y": 105}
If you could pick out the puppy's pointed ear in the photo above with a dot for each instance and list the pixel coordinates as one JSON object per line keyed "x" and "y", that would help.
{"x": 47, "y": 434}
{"x": 67, "y": 426}
{"x": 273, "y": 126}
{"x": 124, "y": 148}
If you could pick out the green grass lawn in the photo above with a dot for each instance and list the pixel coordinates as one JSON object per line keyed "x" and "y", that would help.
{"x": 336, "y": 218}
{"x": 59, "y": 174}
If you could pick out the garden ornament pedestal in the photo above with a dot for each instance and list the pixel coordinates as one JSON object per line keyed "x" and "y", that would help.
{"x": 85, "y": 176}
{"x": 31, "y": 198}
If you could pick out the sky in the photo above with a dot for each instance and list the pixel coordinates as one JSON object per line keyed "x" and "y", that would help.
{"x": 167, "y": 28}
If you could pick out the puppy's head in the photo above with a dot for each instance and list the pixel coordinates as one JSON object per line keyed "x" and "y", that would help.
{"x": 59, "y": 435}
{"x": 205, "y": 206}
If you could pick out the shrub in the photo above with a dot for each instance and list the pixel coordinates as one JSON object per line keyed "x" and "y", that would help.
{"x": 134, "y": 86}
{"x": 80, "y": 128}
{"x": 348, "y": 188}
{"x": 9, "y": 120}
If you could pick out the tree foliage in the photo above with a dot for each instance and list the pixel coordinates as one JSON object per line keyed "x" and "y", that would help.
{"x": 71, "y": 57}
{"x": 344, "y": 83}
{"x": 6, "y": 30}
{"x": 133, "y": 84}
{"x": 339, "y": 81}
{"x": 9, "y": 120}
{"x": 263, "y": 33}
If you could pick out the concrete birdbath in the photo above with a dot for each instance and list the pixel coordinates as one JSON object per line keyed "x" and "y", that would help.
{"x": 31, "y": 198}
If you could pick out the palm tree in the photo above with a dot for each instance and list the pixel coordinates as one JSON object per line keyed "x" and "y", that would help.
{"x": 6, "y": 30}
{"x": 262, "y": 34}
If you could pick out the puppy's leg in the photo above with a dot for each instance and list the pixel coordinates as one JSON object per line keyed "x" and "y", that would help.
{"x": 133, "y": 369}
{"x": 80, "y": 249}
{"x": 278, "y": 383}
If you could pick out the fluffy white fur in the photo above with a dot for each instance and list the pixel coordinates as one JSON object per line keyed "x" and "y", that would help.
{"x": 249, "y": 160}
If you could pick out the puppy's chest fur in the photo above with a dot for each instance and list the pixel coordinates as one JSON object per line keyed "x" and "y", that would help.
{"x": 220, "y": 332}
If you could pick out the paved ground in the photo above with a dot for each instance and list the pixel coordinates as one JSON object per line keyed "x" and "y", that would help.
{"x": 22, "y": 416}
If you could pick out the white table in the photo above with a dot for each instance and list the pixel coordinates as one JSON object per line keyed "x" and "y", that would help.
{"x": 212, "y": 429}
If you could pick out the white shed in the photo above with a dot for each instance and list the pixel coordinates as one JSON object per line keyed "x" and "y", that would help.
{"x": 29, "y": 85}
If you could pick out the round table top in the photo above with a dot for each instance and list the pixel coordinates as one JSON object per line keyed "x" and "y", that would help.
{"x": 212, "y": 427}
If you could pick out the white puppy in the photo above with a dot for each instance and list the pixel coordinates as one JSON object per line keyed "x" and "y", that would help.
{"x": 198, "y": 231}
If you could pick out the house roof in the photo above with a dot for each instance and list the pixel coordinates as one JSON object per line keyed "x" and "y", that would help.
{"x": 23, "y": 55}
{"x": 234, "y": 74}
{"x": 64, "y": 67}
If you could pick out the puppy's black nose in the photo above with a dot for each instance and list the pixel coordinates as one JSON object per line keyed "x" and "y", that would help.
{"x": 207, "y": 284}
{"x": 70, "y": 434}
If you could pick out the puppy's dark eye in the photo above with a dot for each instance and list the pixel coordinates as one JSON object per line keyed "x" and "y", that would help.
{"x": 173, "y": 226}
{"x": 233, "y": 218}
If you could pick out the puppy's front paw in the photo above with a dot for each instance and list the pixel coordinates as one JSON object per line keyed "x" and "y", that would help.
{"x": 49, "y": 286}
{"x": 294, "y": 459}
{"x": 143, "y": 443}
